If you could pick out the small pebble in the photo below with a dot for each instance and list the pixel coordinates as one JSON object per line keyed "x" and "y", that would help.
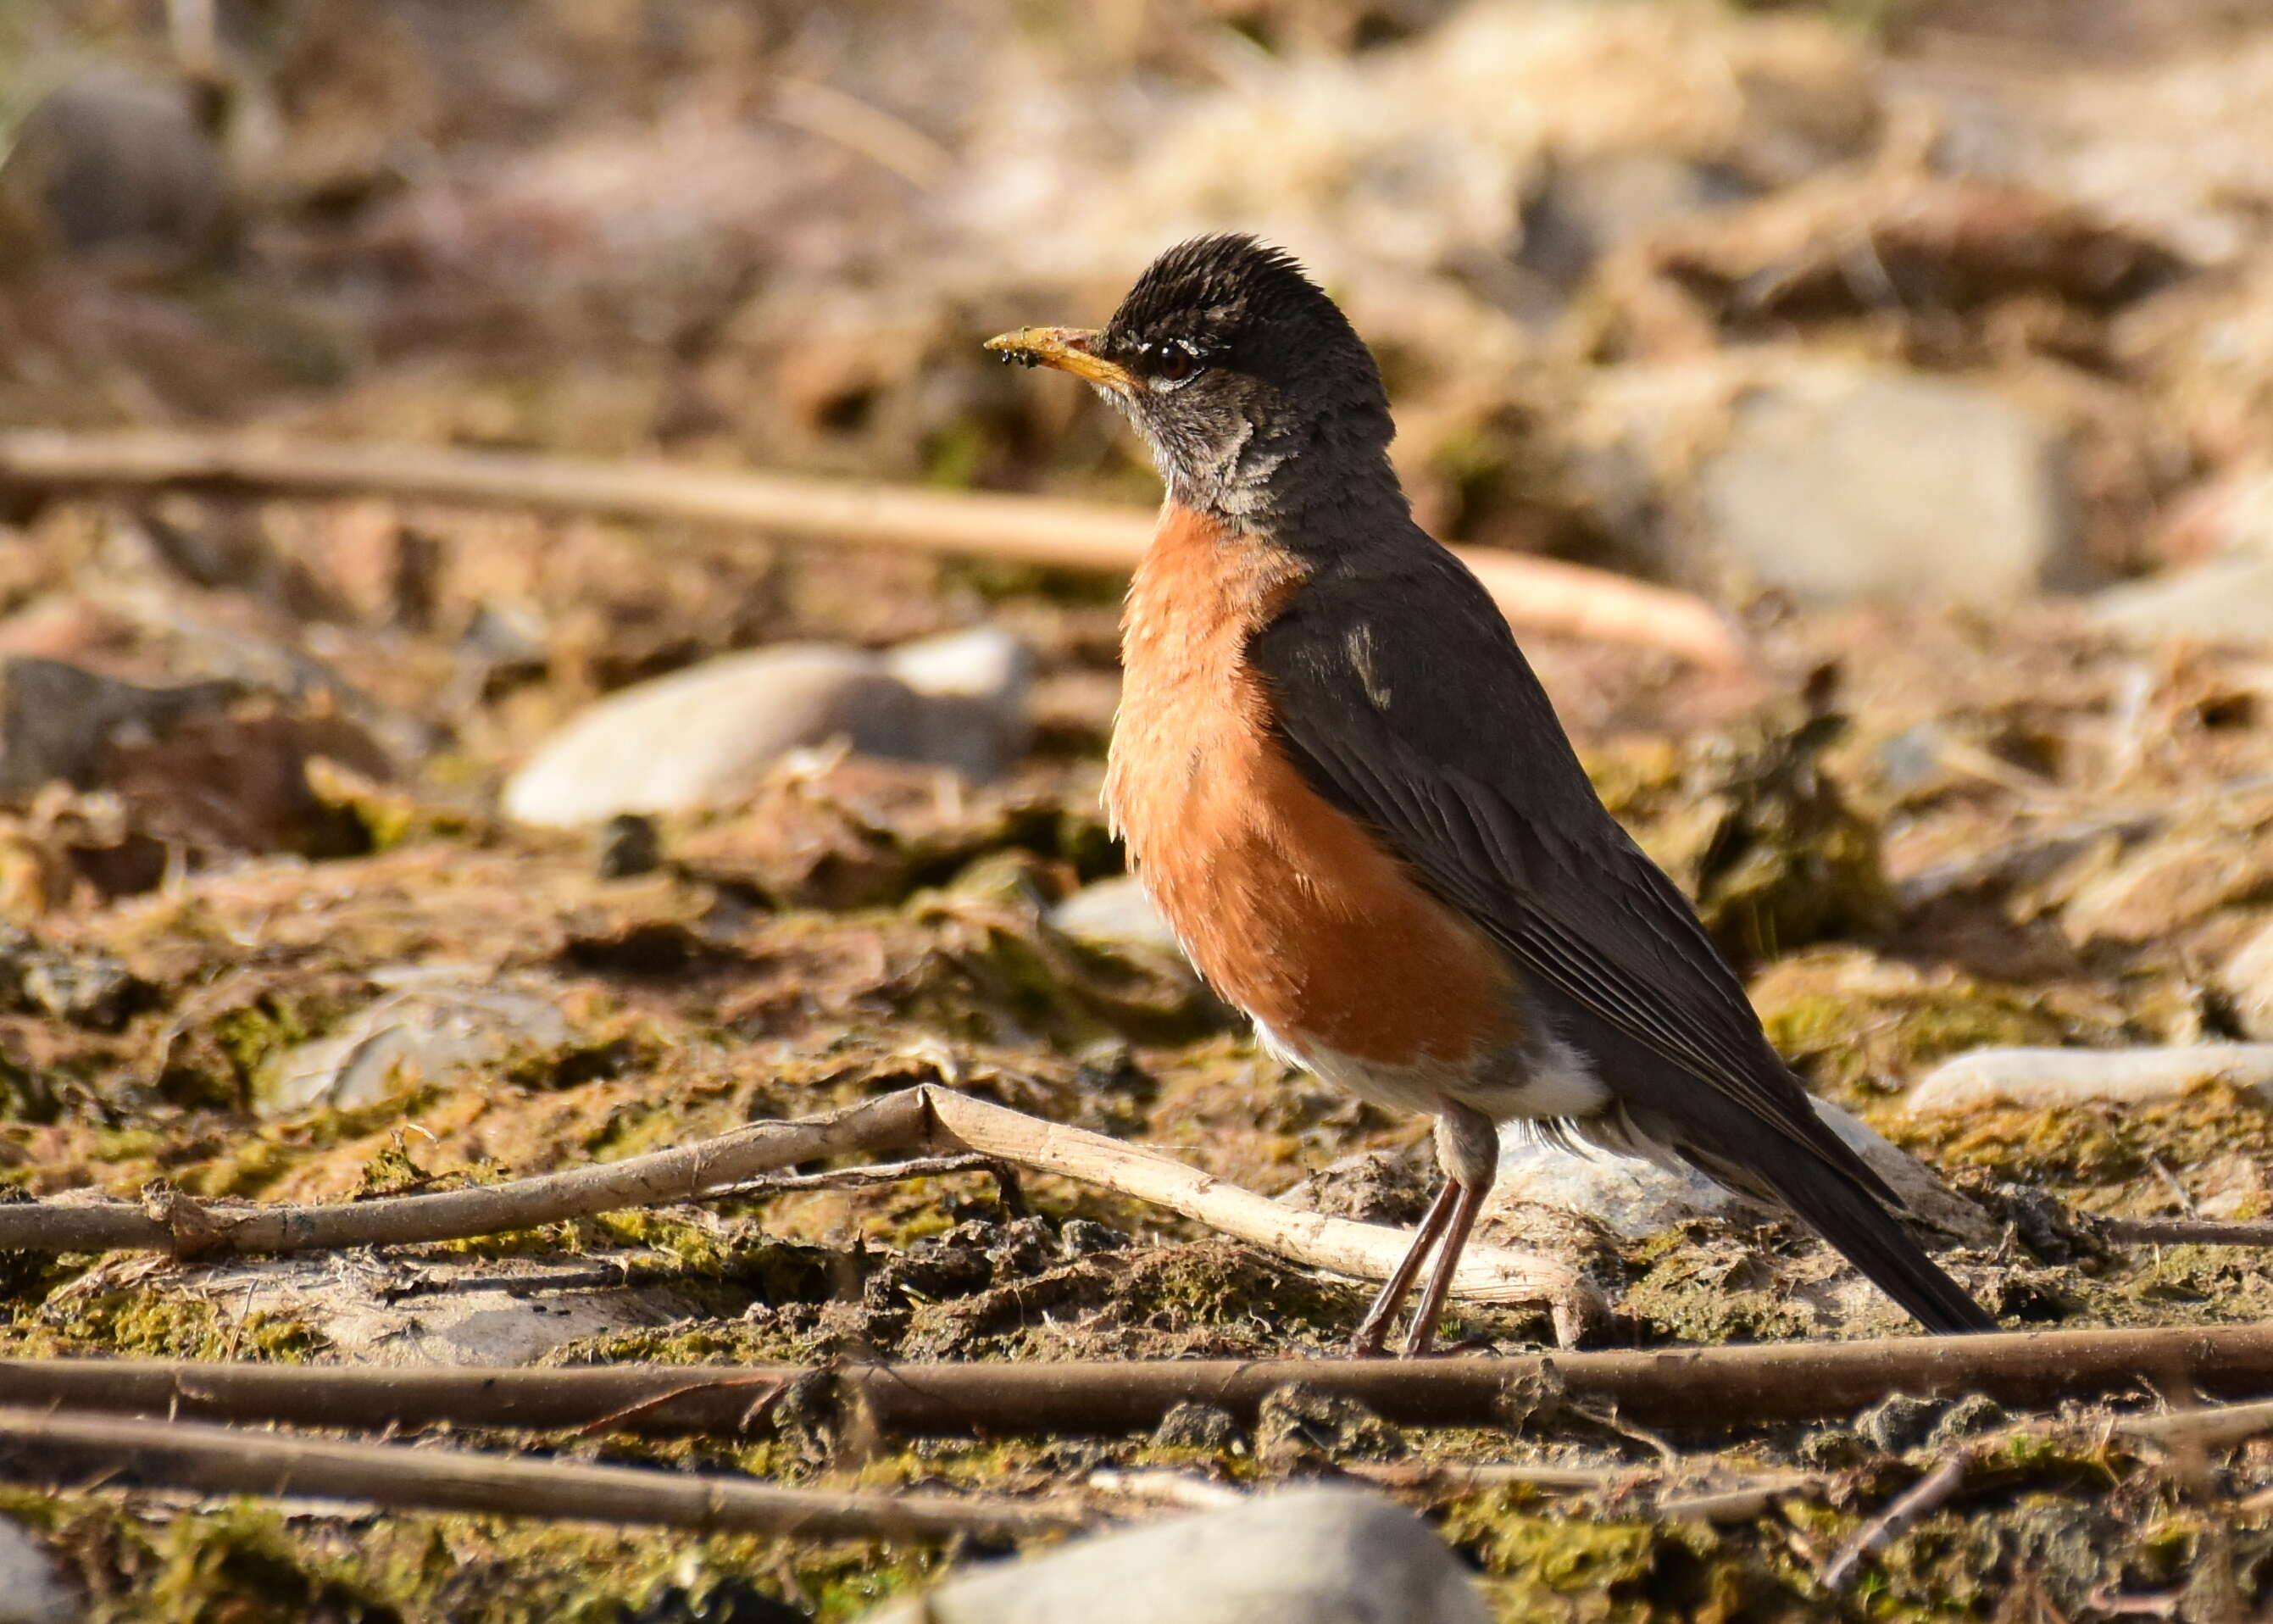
{"x": 629, "y": 845}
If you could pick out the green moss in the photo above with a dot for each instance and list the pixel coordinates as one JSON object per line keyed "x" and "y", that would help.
{"x": 243, "y": 1564}
{"x": 2090, "y": 1145}
{"x": 1541, "y": 1562}
{"x": 1857, "y": 1026}
{"x": 151, "y": 1323}
{"x": 27, "y": 1094}
{"x": 1689, "y": 1296}
{"x": 1757, "y": 833}
{"x": 226, "y": 1061}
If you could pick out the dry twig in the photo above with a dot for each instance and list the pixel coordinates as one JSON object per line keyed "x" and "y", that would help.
{"x": 1922, "y": 1499}
{"x": 853, "y": 1177}
{"x": 66, "y": 1451}
{"x": 1688, "y": 1386}
{"x": 1673, "y": 1494}
{"x": 926, "y": 1118}
{"x": 2182, "y": 1231}
{"x": 2215, "y": 1427}
{"x": 1539, "y": 594}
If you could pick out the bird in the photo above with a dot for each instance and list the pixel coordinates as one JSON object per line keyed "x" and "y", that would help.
{"x": 1339, "y": 779}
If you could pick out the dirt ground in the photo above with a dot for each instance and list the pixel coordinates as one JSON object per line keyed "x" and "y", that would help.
{"x": 626, "y": 227}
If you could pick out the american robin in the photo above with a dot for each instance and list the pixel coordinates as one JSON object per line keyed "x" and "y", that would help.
{"x": 1339, "y": 779}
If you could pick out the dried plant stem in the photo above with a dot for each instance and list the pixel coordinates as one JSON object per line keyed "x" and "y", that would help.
{"x": 1691, "y": 1387}
{"x": 1923, "y": 1497}
{"x": 2183, "y": 1232}
{"x": 1668, "y": 1494}
{"x": 926, "y": 1119}
{"x": 70, "y": 1451}
{"x": 2214, "y": 1427}
{"x": 1538, "y": 594}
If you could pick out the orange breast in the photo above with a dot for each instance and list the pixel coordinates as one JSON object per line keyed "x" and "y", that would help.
{"x": 1290, "y": 908}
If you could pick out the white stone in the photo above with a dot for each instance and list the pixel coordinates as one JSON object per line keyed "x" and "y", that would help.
{"x": 707, "y": 735}
{"x": 1299, "y": 1556}
{"x": 1838, "y": 483}
{"x": 2044, "y": 1078}
{"x": 1116, "y": 913}
{"x": 30, "y": 1591}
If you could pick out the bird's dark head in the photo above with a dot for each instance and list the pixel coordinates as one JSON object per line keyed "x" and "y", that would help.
{"x": 1252, "y": 391}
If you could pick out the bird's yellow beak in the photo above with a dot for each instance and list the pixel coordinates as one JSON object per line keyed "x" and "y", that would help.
{"x": 1069, "y": 350}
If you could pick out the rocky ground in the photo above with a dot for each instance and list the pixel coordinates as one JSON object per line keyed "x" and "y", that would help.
{"x": 1936, "y": 340}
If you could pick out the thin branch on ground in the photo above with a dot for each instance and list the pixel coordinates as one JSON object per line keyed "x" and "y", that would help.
{"x": 2215, "y": 1427}
{"x": 1673, "y": 1494}
{"x": 1737, "y": 1503}
{"x": 926, "y": 1118}
{"x": 1923, "y": 1497}
{"x": 67, "y": 1451}
{"x": 1679, "y": 1388}
{"x": 854, "y": 1177}
{"x": 2182, "y": 1231}
{"x": 1463, "y": 1476}
{"x": 1536, "y": 594}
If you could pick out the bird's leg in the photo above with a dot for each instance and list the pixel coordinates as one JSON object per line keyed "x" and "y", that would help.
{"x": 1373, "y": 1330}
{"x": 1468, "y": 1146}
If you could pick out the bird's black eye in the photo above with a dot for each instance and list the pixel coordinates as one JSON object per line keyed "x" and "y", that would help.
{"x": 1172, "y": 362}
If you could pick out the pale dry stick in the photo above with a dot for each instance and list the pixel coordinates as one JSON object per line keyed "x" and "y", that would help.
{"x": 893, "y": 143}
{"x": 68, "y": 1451}
{"x": 2215, "y": 1427}
{"x": 2182, "y": 1231}
{"x": 1362, "y": 1251}
{"x": 1538, "y": 594}
{"x": 1737, "y": 1503}
{"x": 1693, "y": 1388}
{"x": 849, "y": 1178}
{"x": 1921, "y": 1499}
{"x": 926, "y": 1118}
{"x": 1461, "y": 1476}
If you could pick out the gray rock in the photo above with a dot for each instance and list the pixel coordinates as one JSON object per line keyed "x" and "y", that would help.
{"x": 1633, "y": 1199}
{"x": 1838, "y": 483}
{"x": 1299, "y": 1556}
{"x": 2227, "y": 599}
{"x": 2246, "y": 980}
{"x": 1116, "y": 913}
{"x": 433, "y": 1022}
{"x": 1590, "y": 206}
{"x": 30, "y": 1591}
{"x": 707, "y": 735}
{"x": 116, "y": 158}
{"x": 2041, "y": 1078}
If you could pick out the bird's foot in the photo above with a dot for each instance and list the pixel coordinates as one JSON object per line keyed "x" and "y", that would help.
{"x": 1370, "y": 1341}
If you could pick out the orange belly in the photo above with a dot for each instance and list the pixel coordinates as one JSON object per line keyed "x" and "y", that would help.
{"x": 1291, "y": 909}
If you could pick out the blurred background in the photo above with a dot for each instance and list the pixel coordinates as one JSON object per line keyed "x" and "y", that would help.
{"x": 1875, "y": 301}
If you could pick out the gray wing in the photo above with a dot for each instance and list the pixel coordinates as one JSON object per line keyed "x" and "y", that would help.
{"x": 1426, "y": 724}
{"x": 1402, "y": 698}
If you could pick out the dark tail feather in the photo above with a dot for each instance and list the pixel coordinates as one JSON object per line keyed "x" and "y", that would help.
{"x": 1838, "y": 1205}
{"x": 1789, "y": 1156}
